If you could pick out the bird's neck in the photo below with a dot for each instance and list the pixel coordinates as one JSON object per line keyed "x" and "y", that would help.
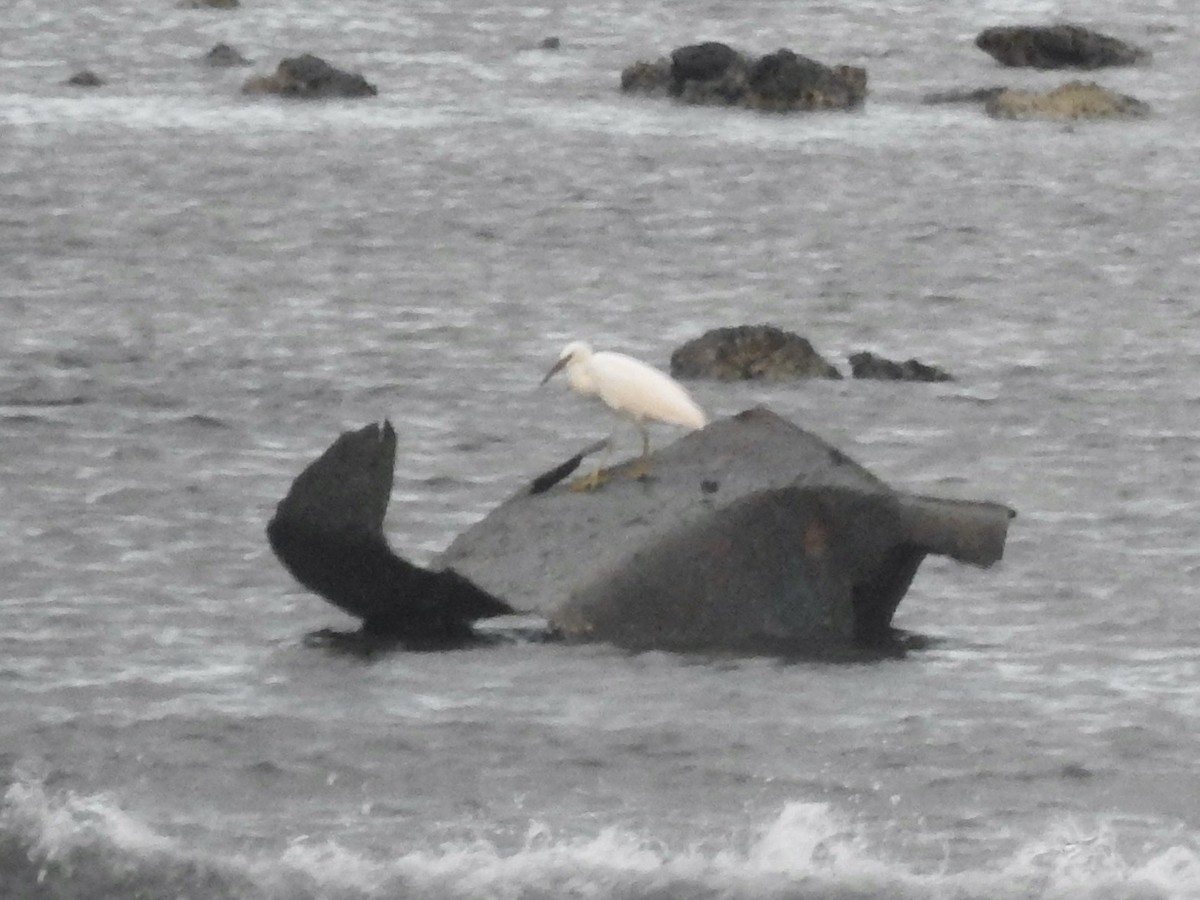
{"x": 581, "y": 379}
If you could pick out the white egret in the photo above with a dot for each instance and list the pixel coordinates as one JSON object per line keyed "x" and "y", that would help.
{"x": 630, "y": 387}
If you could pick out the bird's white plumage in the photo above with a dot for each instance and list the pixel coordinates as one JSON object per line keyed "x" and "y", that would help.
{"x": 635, "y": 390}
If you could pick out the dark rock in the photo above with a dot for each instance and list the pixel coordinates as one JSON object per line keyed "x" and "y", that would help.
{"x": 964, "y": 95}
{"x": 728, "y": 89}
{"x": 709, "y": 61}
{"x": 749, "y": 352}
{"x": 1072, "y": 101}
{"x": 1069, "y": 102}
{"x": 328, "y": 532}
{"x": 85, "y": 78}
{"x": 309, "y": 77}
{"x": 647, "y": 77}
{"x": 783, "y": 81}
{"x": 1057, "y": 47}
{"x": 715, "y": 73}
{"x": 549, "y": 43}
{"x": 224, "y": 56}
{"x": 749, "y": 535}
{"x": 868, "y": 365}
{"x": 855, "y": 78}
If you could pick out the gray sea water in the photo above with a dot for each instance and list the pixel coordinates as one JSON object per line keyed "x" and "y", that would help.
{"x": 200, "y": 291}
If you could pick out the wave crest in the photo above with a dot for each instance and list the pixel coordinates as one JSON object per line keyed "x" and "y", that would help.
{"x": 65, "y": 844}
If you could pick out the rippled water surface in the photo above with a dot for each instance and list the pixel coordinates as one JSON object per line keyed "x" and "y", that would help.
{"x": 200, "y": 291}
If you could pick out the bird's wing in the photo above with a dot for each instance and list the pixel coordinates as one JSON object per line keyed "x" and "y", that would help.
{"x": 643, "y": 392}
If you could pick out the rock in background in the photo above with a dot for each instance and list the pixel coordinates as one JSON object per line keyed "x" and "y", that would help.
{"x": 750, "y": 352}
{"x": 309, "y": 77}
{"x": 85, "y": 78}
{"x": 1057, "y": 47}
{"x": 224, "y": 56}
{"x": 715, "y": 73}
{"x": 867, "y": 365}
{"x": 1069, "y": 102}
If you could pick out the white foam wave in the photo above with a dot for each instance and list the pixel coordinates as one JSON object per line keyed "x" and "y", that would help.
{"x": 79, "y": 845}
{"x": 57, "y": 825}
{"x": 808, "y": 850}
{"x": 1074, "y": 861}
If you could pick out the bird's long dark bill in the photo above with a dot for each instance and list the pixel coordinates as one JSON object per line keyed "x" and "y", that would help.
{"x": 557, "y": 368}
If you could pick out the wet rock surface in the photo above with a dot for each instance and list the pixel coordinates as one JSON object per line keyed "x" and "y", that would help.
{"x": 867, "y": 365}
{"x": 1057, "y": 47}
{"x": 713, "y": 73}
{"x": 1073, "y": 101}
{"x": 225, "y": 56}
{"x": 750, "y": 535}
{"x": 750, "y": 352}
{"x": 85, "y": 78}
{"x": 309, "y": 77}
{"x": 328, "y": 532}
{"x": 963, "y": 95}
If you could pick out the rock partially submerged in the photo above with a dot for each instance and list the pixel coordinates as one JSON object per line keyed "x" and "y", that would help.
{"x": 328, "y": 532}
{"x": 309, "y": 77}
{"x": 866, "y": 364}
{"x": 750, "y": 352}
{"x": 1070, "y": 102}
{"x": 1057, "y": 47}
{"x": 750, "y": 535}
{"x": 1075, "y": 100}
{"x": 715, "y": 73}
{"x": 223, "y": 56}
{"x": 85, "y": 78}
{"x": 963, "y": 95}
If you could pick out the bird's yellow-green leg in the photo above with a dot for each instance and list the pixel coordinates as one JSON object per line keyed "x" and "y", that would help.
{"x": 641, "y": 465}
{"x": 585, "y": 484}
{"x": 592, "y": 481}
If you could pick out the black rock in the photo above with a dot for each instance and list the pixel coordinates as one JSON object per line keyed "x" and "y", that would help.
{"x": 715, "y": 73}
{"x": 224, "y": 56}
{"x": 784, "y": 80}
{"x": 749, "y": 535}
{"x": 964, "y": 95}
{"x": 647, "y": 77}
{"x": 309, "y": 77}
{"x": 750, "y": 352}
{"x": 85, "y": 78}
{"x": 702, "y": 62}
{"x": 328, "y": 532}
{"x": 1057, "y": 47}
{"x": 867, "y": 365}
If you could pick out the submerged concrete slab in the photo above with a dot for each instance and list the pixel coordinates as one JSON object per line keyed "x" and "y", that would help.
{"x": 328, "y": 532}
{"x": 750, "y": 535}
